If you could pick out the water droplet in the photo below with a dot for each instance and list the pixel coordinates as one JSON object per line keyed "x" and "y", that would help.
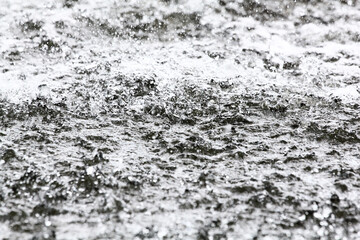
{"x": 323, "y": 223}
{"x": 314, "y": 207}
{"x": 90, "y": 171}
{"x": 326, "y": 212}
{"x": 318, "y": 215}
{"x": 47, "y": 223}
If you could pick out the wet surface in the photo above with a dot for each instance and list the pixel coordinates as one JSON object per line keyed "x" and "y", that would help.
{"x": 179, "y": 119}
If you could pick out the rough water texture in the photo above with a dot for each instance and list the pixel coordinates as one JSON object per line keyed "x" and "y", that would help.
{"x": 229, "y": 119}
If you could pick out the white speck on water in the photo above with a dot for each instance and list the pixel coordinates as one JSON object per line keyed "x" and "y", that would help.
{"x": 47, "y": 223}
{"x": 90, "y": 170}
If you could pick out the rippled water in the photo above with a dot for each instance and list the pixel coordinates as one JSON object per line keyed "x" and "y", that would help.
{"x": 229, "y": 119}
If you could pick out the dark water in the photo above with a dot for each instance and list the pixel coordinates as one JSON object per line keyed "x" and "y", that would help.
{"x": 179, "y": 119}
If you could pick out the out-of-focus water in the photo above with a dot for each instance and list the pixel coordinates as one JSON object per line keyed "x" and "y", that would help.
{"x": 179, "y": 119}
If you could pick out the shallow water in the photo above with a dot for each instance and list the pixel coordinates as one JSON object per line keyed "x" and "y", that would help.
{"x": 179, "y": 119}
